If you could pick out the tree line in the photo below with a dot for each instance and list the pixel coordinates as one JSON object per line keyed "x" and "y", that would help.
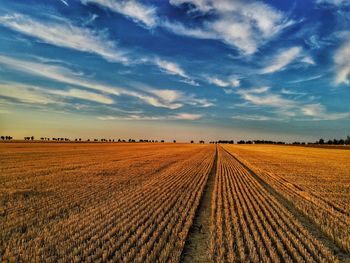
{"x": 321, "y": 141}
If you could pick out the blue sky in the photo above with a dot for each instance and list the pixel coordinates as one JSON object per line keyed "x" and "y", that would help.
{"x": 181, "y": 69}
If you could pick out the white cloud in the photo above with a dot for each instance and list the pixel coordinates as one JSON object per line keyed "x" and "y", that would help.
{"x": 188, "y": 116}
{"x": 290, "y": 92}
{"x": 64, "y": 2}
{"x": 306, "y": 79}
{"x": 40, "y": 95}
{"x": 171, "y": 68}
{"x": 64, "y": 34}
{"x": 25, "y": 93}
{"x": 218, "y": 82}
{"x": 177, "y": 98}
{"x": 242, "y": 24}
{"x": 155, "y": 97}
{"x": 333, "y": 2}
{"x": 253, "y": 118}
{"x": 286, "y": 108}
{"x": 319, "y": 112}
{"x": 281, "y": 60}
{"x": 308, "y": 60}
{"x": 106, "y": 118}
{"x": 180, "y": 116}
{"x": 342, "y": 61}
{"x": 231, "y": 82}
{"x": 135, "y": 10}
{"x": 83, "y": 94}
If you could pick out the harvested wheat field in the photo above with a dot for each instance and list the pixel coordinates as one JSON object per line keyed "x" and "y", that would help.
{"x": 161, "y": 202}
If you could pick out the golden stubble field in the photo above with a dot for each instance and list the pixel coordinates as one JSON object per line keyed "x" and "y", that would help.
{"x": 134, "y": 202}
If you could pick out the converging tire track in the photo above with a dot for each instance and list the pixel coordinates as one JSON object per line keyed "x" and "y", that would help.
{"x": 249, "y": 223}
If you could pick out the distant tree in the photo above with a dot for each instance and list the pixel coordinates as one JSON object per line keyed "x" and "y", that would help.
{"x": 174, "y": 141}
{"x": 162, "y": 141}
{"x": 191, "y": 141}
{"x": 32, "y": 138}
{"x": 321, "y": 141}
{"x": 241, "y": 142}
{"x": 347, "y": 140}
{"x": 201, "y": 142}
{"x": 2, "y": 137}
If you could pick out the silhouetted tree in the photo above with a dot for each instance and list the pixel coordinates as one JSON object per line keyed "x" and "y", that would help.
{"x": 347, "y": 140}
{"x": 174, "y": 141}
{"x": 191, "y": 141}
{"x": 321, "y": 141}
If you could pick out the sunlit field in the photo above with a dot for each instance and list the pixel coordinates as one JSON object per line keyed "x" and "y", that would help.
{"x": 171, "y": 202}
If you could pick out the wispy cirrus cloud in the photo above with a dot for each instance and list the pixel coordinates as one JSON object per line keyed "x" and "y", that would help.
{"x": 171, "y": 99}
{"x": 244, "y": 25}
{"x": 63, "y": 33}
{"x": 318, "y": 112}
{"x": 281, "y": 60}
{"x": 64, "y": 2}
{"x": 342, "y": 62}
{"x": 253, "y": 117}
{"x": 173, "y": 68}
{"x": 306, "y": 79}
{"x": 262, "y": 97}
{"x": 286, "y": 107}
{"x": 179, "y": 116}
{"x": 83, "y": 94}
{"x": 132, "y": 9}
{"x": 334, "y": 2}
{"x": 25, "y": 93}
{"x": 44, "y": 95}
{"x": 188, "y": 116}
{"x": 230, "y": 82}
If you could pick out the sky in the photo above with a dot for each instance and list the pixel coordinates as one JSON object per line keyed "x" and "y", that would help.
{"x": 177, "y": 69}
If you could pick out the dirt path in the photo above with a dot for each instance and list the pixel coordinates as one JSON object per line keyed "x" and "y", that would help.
{"x": 197, "y": 243}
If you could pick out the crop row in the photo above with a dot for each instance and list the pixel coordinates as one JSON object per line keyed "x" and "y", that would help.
{"x": 146, "y": 221}
{"x": 334, "y": 222}
{"x": 250, "y": 224}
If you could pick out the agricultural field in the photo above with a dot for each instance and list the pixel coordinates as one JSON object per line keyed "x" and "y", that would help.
{"x": 162, "y": 202}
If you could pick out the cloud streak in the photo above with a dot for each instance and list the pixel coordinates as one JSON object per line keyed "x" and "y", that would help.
{"x": 342, "y": 62}
{"x": 170, "y": 99}
{"x": 281, "y": 60}
{"x": 132, "y": 9}
{"x": 64, "y": 34}
{"x": 244, "y": 25}
{"x": 286, "y": 108}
